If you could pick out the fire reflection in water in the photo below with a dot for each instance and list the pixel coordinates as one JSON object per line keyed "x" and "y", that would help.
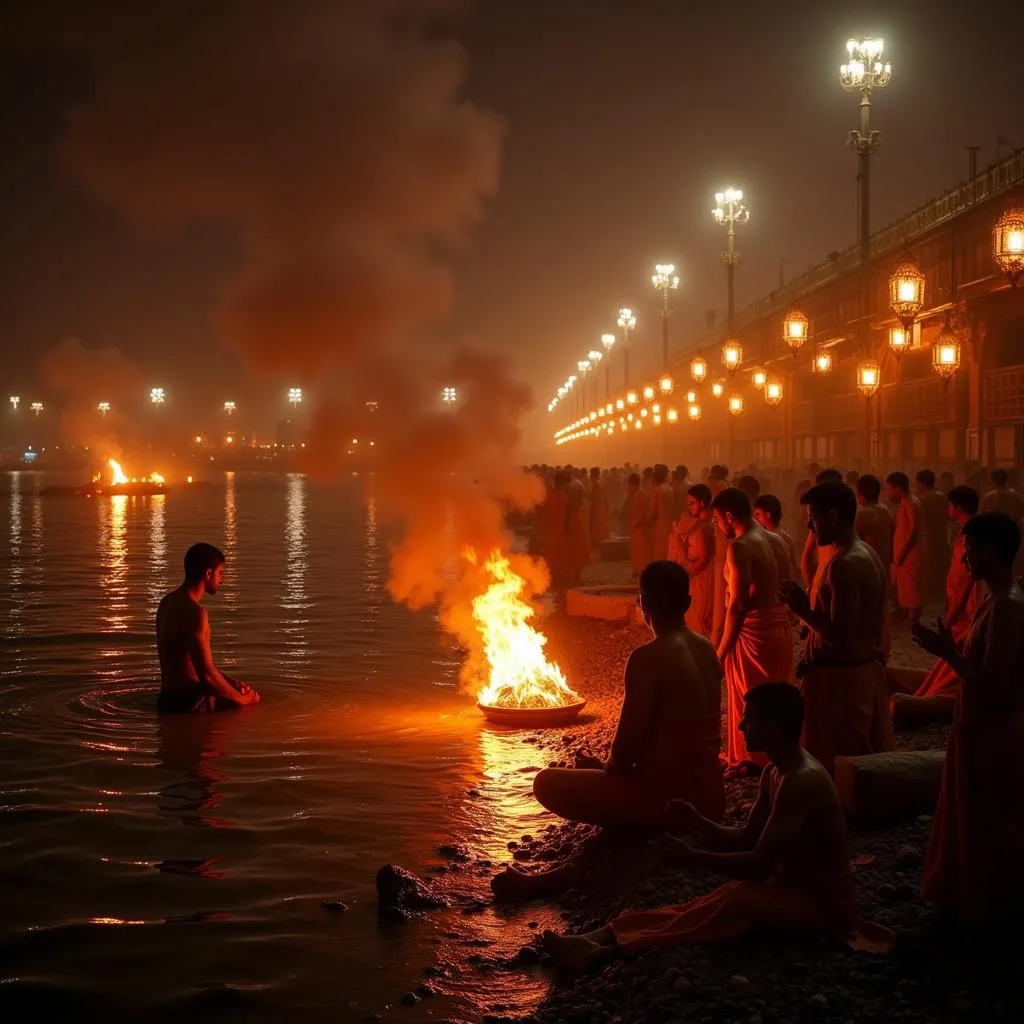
{"x": 230, "y": 543}
{"x": 295, "y": 603}
{"x": 16, "y": 561}
{"x": 157, "y": 584}
{"x": 113, "y": 528}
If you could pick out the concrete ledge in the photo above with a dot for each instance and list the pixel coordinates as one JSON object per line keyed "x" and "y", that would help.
{"x": 890, "y": 786}
{"x": 615, "y": 549}
{"x": 611, "y": 603}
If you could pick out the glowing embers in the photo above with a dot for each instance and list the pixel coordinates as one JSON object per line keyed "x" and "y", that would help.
{"x": 523, "y": 687}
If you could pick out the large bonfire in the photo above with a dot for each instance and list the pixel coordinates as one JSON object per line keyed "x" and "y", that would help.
{"x": 521, "y": 676}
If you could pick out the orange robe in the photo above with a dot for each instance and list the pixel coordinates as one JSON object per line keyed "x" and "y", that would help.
{"x": 639, "y": 543}
{"x": 555, "y": 516}
{"x": 599, "y": 529}
{"x": 579, "y": 539}
{"x": 677, "y": 539}
{"x": 721, "y": 550}
{"x": 910, "y": 577}
{"x": 700, "y": 549}
{"x": 763, "y": 653}
{"x": 661, "y": 521}
{"x": 977, "y": 842}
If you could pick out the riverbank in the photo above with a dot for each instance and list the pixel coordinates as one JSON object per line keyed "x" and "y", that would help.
{"x": 751, "y": 982}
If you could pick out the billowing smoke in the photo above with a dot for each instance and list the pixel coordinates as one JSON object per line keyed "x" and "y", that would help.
{"x": 334, "y": 137}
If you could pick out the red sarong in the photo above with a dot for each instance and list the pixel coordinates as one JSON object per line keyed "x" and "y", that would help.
{"x": 763, "y": 653}
{"x": 846, "y": 711}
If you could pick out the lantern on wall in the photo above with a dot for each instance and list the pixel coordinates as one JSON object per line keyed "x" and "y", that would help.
{"x": 773, "y": 392}
{"x": 691, "y": 397}
{"x": 648, "y": 393}
{"x": 735, "y": 404}
{"x": 665, "y": 384}
{"x": 899, "y": 340}
{"x": 822, "y": 361}
{"x": 758, "y": 377}
{"x": 732, "y": 355}
{"x": 795, "y": 329}
{"x": 693, "y": 411}
{"x": 631, "y": 398}
{"x": 699, "y": 369}
{"x": 1008, "y": 244}
{"x": 672, "y": 416}
{"x": 718, "y": 388}
{"x": 906, "y": 292}
{"x": 869, "y": 376}
{"x": 946, "y": 353}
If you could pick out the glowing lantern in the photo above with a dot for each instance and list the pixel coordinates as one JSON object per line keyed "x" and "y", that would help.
{"x": 735, "y": 404}
{"x": 620, "y": 404}
{"x": 869, "y": 376}
{"x": 718, "y": 388}
{"x": 822, "y": 361}
{"x": 946, "y": 354}
{"x": 899, "y": 341}
{"x": 637, "y": 424}
{"x": 656, "y": 408}
{"x": 643, "y": 413}
{"x": 631, "y": 398}
{"x": 906, "y": 292}
{"x": 795, "y": 329}
{"x": 648, "y": 393}
{"x": 773, "y": 392}
{"x": 1008, "y": 245}
{"x": 609, "y": 408}
{"x": 656, "y": 420}
{"x": 673, "y": 416}
{"x": 699, "y": 369}
{"x": 732, "y": 355}
{"x": 665, "y": 385}
{"x": 758, "y": 377}
{"x": 693, "y": 412}
{"x": 691, "y": 397}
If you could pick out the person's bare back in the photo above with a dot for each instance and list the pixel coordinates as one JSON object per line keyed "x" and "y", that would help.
{"x": 756, "y": 556}
{"x": 875, "y": 527}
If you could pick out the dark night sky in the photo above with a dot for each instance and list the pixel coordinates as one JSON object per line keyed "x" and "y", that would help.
{"x": 622, "y": 120}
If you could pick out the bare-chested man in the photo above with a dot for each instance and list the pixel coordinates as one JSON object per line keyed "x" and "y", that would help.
{"x": 757, "y": 641}
{"x": 841, "y": 673}
{"x": 791, "y": 858}
{"x": 768, "y": 513}
{"x": 814, "y": 556}
{"x": 667, "y": 742}
{"x": 189, "y": 680}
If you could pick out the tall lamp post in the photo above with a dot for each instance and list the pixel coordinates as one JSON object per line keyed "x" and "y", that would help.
{"x": 157, "y": 396}
{"x": 608, "y": 341}
{"x": 594, "y": 357}
{"x": 295, "y": 397}
{"x": 627, "y": 322}
{"x": 103, "y": 408}
{"x": 665, "y": 280}
{"x": 15, "y": 401}
{"x": 229, "y": 407}
{"x": 36, "y": 407}
{"x": 863, "y": 73}
{"x": 729, "y": 211}
{"x": 448, "y": 396}
{"x": 583, "y": 365}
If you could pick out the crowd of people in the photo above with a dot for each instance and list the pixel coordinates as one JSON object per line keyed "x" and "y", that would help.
{"x": 722, "y": 585}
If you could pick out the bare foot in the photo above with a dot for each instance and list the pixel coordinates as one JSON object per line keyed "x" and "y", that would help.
{"x": 511, "y": 886}
{"x": 575, "y": 952}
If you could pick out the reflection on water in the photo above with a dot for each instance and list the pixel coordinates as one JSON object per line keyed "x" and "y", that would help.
{"x": 230, "y": 543}
{"x": 157, "y": 551}
{"x": 15, "y": 575}
{"x": 294, "y": 602}
{"x": 113, "y": 523}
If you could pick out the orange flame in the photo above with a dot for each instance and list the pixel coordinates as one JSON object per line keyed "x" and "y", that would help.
{"x": 116, "y": 474}
{"x": 156, "y": 478}
{"x": 521, "y": 676}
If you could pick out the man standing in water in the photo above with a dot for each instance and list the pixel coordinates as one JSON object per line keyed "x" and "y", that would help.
{"x": 189, "y": 680}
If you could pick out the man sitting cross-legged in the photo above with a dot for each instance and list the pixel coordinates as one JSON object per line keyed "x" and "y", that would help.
{"x": 790, "y": 859}
{"x": 667, "y": 742}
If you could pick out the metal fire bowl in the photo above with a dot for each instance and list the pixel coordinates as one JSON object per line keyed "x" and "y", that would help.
{"x": 533, "y": 718}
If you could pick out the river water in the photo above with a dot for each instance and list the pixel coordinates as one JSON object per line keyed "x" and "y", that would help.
{"x": 163, "y": 867}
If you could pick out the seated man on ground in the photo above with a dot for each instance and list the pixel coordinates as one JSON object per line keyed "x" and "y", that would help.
{"x": 668, "y": 738}
{"x": 189, "y": 680}
{"x": 929, "y": 696}
{"x": 790, "y": 860}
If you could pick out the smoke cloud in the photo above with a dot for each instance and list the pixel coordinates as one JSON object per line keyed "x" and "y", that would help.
{"x": 334, "y": 137}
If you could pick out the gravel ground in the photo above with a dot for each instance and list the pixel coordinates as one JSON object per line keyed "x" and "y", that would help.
{"x": 757, "y": 982}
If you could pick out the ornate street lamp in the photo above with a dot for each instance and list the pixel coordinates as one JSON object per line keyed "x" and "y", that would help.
{"x": 1008, "y": 244}
{"x": 773, "y": 392}
{"x": 693, "y": 411}
{"x": 691, "y": 396}
{"x": 730, "y": 211}
{"x": 946, "y": 354}
{"x": 735, "y": 404}
{"x": 795, "y": 330}
{"x": 869, "y": 376}
{"x": 666, "y": 384}
{"x": 15, "y": 401}
{"x": 631, "y": 398}
{"x": 822, "y": 361}
{"x": 229, "y": 407}
{"x": 448, "y": 396}
{"x": 718, "y": 388}
{"x": 103, "y": 408}
{"x": 157, "y": 396}
{"x": 608, "y": 341}
{"x": 698, "y": 369}
{"x": 732, "y": 356}
{"x": 758, "y": 377}
{"x": 864, "y": 72}
{"x": 665, "y": 280}
{"x": 672, "y": 416}
{"x": 906, "y": 292}
{"x": 648, "y": 393}
{"x": 295, "y": 396}
{"x": 627, "y": 321}
{"x": 899, "y": 341}
{"x": 36, "y": 407}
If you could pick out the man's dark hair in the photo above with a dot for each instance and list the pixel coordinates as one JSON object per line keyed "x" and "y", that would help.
{"x": 733, "y": 500}
{"x": 633, "y": 478}
{"x": 749, "y": 485}
{"x": 997, "y": 531}
{"x": 199, "y": 558}
{"x": 718, "y": 471}
{"x": 832, "y": 496}
{"x": 829, "y": 474}
{"x": 595, "y": 471}
{"x": 648, "y": 471}
{"x": 781, "y": 704}
{"x": 660, "y": 473}
{"x": 1000, "y": 477}
{"x": 771, "y": 506}
{"x": 701, "y": 492}
{"x": 665, "y": 587}
{"x": 900, "y": 480}
{"x": 925, "y": 477}
{"x": 964, "y": 498}
{"x": 869, "y": 487}
{"x": 683, "y": 471}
